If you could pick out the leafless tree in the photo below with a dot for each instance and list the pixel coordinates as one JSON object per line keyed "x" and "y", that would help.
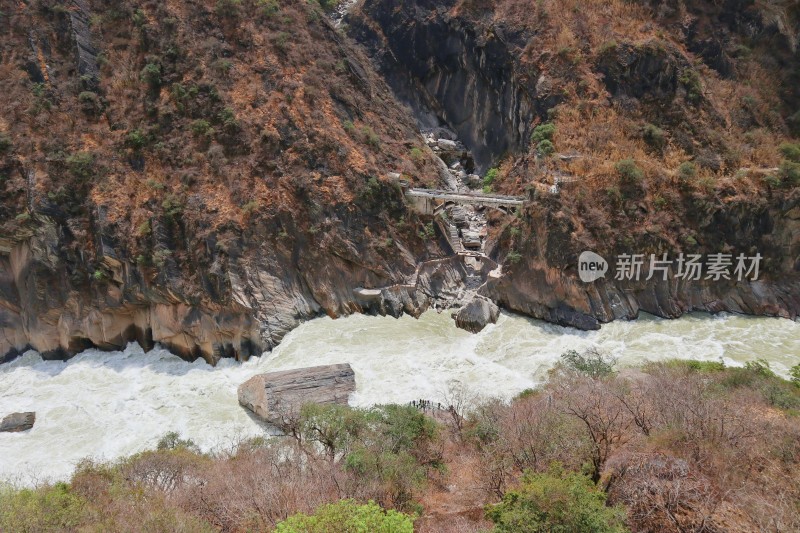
{"x": 605, "y": 419}
{"x": 458, "y": 400}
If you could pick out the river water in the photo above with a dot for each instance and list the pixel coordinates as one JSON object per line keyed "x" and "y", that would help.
{"x": 110, "y": 404}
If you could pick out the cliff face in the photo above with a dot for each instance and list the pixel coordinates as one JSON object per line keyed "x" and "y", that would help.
{"x": 206, "y": 174}
{"x": 448, "y": 69}
{"x": 200, "y": 174}
{"x": 665, "y": 119}
{"x": 544, "y": 283}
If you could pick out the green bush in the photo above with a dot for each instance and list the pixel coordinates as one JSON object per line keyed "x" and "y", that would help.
{"x": 138, "y": 18}
{"x": 543, "y": 132}
{"x": 151, "y": 74}
{"x": 546, "y": 148}
{"x": 789, "y": 173}
{"x": 795, "y": 375}
{"x": 629, "y": 171}
{"x": 334, "y": 427}
{"x": 654, "y": 136}
{"x": 267, "y": 8}
{"x": 608, "y": 46}
{"x": 591, "y": 362}
{"x": 202, "y": 128}
{"x": 136, "y": 139}
{"x": 789, "y": 169}
{"x": 370, "y": 137}
{"x": 173, "y": 207}
{"x": 687, "y": 171}
{"x": 144, "y": 229}
{"x": 690, "y": 79}
{"x": 223, "y": 66}
{"x": 427, "y": 232}
{"x": 181, "y": 94}
{"x": 758, "y": 375}
{"x": 347, "y": 516}
{"x": 556, "y": 502}
{"x": 228, "y": 118}
{"x": 52, "y": 508}
{"x": 403, "y": 426}
{"x": 514, "y": 257}
{"x": 251, "y": 207}
{"x": 417, "y": 155}
{"x": 790, "y": 151}
{"x": 491, "y": 175}
{"x": 160, "y": 257}
{"x": 81, "y": 165}
{"x": 387, "y": 446}
{"x": 173, "y": 441}
{"x": 794, "y": 124}
{"x": 772, "y": 180}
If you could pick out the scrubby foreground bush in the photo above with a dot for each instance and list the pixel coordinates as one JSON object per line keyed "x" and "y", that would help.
{"x": 676, "y": 446}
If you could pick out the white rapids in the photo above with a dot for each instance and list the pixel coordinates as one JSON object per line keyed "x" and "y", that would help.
{"x": 106, "y": 405}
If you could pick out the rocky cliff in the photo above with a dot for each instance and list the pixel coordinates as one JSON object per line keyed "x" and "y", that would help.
{"x": 204, "y": 175}
{"x": 207, "y": 174}
{"x": 634, "y": 128}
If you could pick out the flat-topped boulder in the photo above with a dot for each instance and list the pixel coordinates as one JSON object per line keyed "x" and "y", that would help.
{"x": 274, "y": 395}
{"x": 17, "y": 422}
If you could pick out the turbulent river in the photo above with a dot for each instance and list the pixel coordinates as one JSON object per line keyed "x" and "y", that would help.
{"x": 106, "y": 405}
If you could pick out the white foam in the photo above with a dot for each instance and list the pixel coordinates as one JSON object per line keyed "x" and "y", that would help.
{"x": 108, "y": 405}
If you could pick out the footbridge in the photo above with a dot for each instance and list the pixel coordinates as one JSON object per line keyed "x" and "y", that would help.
{"x": 433, "y": 201}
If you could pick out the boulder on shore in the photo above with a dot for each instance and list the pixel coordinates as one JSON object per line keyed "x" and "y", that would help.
{"x": 18, "y": 422}
{"x": 275, "y": 395}
{"x": 477, "y": 314}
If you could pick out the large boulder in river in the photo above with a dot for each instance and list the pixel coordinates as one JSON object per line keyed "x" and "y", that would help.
{"x": 477, "y": 314}
{"x": 17, "y": 422}
{"x": 275, "y": 395}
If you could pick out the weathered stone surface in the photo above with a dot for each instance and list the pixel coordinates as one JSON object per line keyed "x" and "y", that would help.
{"x": 17, "y": 422}
{"x": 451, "y": 72}
{"x": 477, "y": 314}
{"x": 269, "y": 297}
{"x": 446, "y": 144}
{"x": 273, "y": 395}
{"x": 85, "y": 53}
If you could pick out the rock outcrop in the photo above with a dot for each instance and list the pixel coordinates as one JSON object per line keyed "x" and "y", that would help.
{"x": 492, "y": 70}
{"x": 447, "y": 71}
{"x": 131, "y": 226}
{"x": 545, "y": 283}
{"x": 85, "y": 52}
{"x": 16, "y": 422}
{"x": 268, "y": 301}
{"x": 274, "y": 396}
{"x": 477, "y": 314}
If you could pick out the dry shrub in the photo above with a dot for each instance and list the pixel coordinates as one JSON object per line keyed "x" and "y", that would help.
{"x": 662, "y": 493}
{"x": 529, "y": 434}
{"x": 256, "y": 487}
{"x": 684, "y": 450}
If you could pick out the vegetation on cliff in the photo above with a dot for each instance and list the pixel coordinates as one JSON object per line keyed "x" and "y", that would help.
{"x": 165, "y": 153}
{"x": 674, "y": 446}
{"x": 670, "y": 117}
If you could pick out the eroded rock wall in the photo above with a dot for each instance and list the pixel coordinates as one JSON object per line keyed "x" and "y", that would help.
{"x": 449, "y": 71}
